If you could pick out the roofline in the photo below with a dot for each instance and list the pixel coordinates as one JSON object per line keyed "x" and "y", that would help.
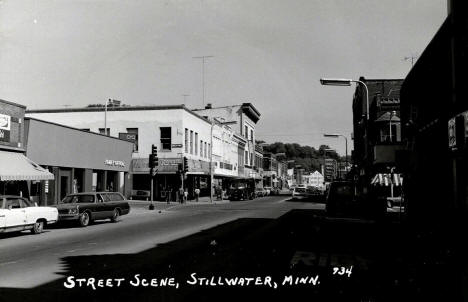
{"x": 12, "y": 103}
{"x": 122, "y": 108}
{"x": 73, "y": 128}
{"x": 364, "y": 79}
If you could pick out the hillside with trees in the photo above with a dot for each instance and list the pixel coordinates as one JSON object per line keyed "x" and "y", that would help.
{"x": 308, "y": 157}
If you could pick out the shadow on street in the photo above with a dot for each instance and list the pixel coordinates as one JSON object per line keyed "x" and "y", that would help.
{"x": 354, "y": 261}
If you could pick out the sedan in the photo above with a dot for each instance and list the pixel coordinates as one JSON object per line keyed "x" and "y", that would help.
{"x": 18, "y": 214}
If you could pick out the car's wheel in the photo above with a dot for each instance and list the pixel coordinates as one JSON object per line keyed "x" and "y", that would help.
{"x": 115, "y": 217}
{"x": 38, "y": 227}
{"x": 85, "y": 219}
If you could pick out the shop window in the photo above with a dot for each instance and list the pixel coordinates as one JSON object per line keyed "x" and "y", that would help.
{"x": 166, "y": 139}
{"x": 134, "y": 131}
{"x": 191, "y": 142}
{"x": 196, "y": 143}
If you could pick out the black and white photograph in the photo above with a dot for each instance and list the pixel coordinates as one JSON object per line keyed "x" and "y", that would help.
{"x": 233, "y": 150}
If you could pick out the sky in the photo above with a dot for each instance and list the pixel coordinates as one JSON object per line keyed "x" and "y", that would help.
{"x": 272, "y": 53}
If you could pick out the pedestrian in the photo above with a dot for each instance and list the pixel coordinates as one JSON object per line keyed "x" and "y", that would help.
{"x": 185, "y": 195}
{"x": 168, "y": 195}
{"x": 181, "y": 195}
{"x": 197, "y": 194}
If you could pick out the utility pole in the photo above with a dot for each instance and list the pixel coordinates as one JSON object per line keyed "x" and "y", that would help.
{"x": 203, "y": 58}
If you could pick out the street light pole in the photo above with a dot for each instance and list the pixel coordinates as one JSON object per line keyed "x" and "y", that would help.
{"x": 347, "y": 82}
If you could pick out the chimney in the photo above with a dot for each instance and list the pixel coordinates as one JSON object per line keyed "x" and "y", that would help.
{"x": 208, "y": 106}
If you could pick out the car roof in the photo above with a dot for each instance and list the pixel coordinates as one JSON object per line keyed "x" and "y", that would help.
{"x": 90, "y": 193}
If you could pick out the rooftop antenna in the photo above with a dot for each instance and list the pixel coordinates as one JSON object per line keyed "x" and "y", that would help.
{"x": 413, "y": 57}
{"x": 203, "y": 58}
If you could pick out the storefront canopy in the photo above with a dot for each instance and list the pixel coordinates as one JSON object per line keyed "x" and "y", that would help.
{"x": 16, "y": 166}
{"x": 385, "y": 179}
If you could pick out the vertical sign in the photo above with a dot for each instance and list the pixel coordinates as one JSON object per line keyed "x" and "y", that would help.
{"x": 5, "y": 127}
{"x": 452, "y": 140}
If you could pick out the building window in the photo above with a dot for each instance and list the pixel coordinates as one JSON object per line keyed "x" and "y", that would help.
{"x": 134, "y": 135}
{"x": 196, "y": 143}
{"x": 201, "y": 148}
{"x": 102, "y": 131}
{"x": 246, "y": 132}
{"x": 251, "y": 159}
{"x": 206, "y": 152}
{"x": 166, "y": 139}
{"x": 191, "y": 142}
{"x": 209, "y": 150}
{"x": 186, "y": 140}
{"x": 246, "y": 157}
{"x": 251, "y": 135}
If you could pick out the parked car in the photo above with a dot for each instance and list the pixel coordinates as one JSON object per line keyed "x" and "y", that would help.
{"x": 18, "y": 214}
{"x": 267, "y": 191}
{"x": 299, "y": 193}
{"x": 259, "y": 192}
{"x": 342, "y": 200}
{"x": 87, "y": 207}
{"x": 243, "y": 193}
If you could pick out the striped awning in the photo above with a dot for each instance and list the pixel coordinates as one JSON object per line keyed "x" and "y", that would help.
{"x": 16, "y": 166}
{"x": 385, "y": 179}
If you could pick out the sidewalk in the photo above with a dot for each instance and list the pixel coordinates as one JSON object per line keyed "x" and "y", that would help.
{"x": 162, "y": 205}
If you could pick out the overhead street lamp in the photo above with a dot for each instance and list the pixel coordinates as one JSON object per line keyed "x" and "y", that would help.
{"x": 347, "y": 82}
{"x": 346, "y": 141}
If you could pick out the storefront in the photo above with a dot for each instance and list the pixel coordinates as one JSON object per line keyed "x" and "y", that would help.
{"x": 168, "y": 180}
{"x": 80, "y": 161}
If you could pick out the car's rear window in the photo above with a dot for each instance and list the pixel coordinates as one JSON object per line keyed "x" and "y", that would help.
{"x": 112, "y": 197}
{"x": 301, "y": 190}
{"x": 78, "y": 199}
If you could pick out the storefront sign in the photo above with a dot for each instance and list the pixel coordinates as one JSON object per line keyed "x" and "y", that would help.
{"x": 132, "y": 137}
{"x": 5, "y": 127}
{"x": 5, "y": 122}
{"x": 4, "y": 135}
{"x": 114, "y": 163}
{"x": 452, "y": 134}
{"x": 176, "y": 145}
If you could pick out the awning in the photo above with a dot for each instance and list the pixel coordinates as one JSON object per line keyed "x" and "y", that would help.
{"x": 385, "y": 179}
{"x": 16, "y": 166}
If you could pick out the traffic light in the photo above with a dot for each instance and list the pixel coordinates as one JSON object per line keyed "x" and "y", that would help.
{"x": 185, "y": 165}
{"x": 153, "y": 158}
{"x": 179, "y": 168}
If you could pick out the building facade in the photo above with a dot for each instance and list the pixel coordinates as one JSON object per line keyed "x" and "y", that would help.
{"x": 377, "y": 140}
{"x": 80, "y": 161}
{"x": 17, "y": 172}
{"x": 176, "y": 132}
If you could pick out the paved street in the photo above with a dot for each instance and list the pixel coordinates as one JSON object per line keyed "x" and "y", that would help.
{"x": 29, "y": 260}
